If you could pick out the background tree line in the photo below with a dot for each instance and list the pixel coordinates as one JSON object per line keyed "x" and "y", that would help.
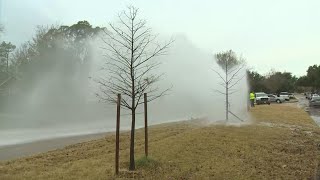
{"x": 276, "y": 82}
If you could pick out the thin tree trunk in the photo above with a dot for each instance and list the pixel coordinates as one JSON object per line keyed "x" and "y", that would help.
{"x": 133, "y": 115}
{"x": 133, "y": 105}
{"x": 227, "y": 104}
{"x": 8, "y": 63}
{"x": 133, "y": 121}
{"x": 132, "y": 164}
{"x": 227, "y": 93}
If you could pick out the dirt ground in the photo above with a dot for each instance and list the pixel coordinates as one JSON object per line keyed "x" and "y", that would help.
{"x": 282, "y": 143}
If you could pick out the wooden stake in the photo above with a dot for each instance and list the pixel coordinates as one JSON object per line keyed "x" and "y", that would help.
{"x": 117, "y": 134}
{"x": 146, "y": 124}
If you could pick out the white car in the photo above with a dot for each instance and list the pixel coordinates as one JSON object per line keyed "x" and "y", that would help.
{"x": 291, "y": 95}
{"x": 315, "y": 101}
{"x": 285, "y": 95}
{"x": 311, "y": 95}
{"x": 262, "y": 98}
{"x": 277, "y": 99}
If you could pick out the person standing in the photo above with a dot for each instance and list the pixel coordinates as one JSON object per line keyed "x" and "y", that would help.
{"x": 252, "y": 98}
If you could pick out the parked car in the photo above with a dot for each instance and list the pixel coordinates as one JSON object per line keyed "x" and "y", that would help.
{"x": 277, "y": 99}
{"x": 262, "y": 98}
{"x": 285, "y": 95}
{"x": 311, "y": 95}
{"x": 291, "y": 95}
{"x": 315, "y": 101}
{"x": 315, "y": 95}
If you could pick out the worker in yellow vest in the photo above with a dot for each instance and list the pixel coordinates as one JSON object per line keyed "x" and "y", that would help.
{"x": 252, "y": 98}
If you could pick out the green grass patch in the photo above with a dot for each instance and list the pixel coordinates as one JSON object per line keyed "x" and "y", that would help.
{"x": 146, "y": 163}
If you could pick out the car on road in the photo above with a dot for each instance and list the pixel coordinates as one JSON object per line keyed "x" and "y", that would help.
{"x": 315, "y": 101}
{"x": 311, "y": 95}
{"x": 262, "y": 98}
{"x": 277, "y": 99}
{"x": 285, "y": 95}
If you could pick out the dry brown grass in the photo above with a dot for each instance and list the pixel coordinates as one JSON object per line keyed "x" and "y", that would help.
{"x": 186, "y": 151}
{"x": 282, "y": 113}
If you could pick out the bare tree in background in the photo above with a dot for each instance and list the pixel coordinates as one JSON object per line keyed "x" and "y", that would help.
{"x": 131, "y": 49}
{"x": 232, "y": 67}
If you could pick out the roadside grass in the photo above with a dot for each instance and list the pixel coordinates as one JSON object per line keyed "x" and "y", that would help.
{"x": 282, "y": 113}
{"x": 187, "y": 151}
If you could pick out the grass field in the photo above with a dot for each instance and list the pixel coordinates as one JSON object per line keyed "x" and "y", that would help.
{"x": 282, "y": 142}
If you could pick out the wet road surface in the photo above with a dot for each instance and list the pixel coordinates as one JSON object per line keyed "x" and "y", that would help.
{"x": 313, "y": 111}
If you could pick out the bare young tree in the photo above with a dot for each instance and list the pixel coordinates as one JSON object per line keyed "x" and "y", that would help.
{"x": 131, "y": 50}
{"x": 232, "y": 65}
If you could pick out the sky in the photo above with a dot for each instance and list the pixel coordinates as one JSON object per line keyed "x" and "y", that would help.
{"x": 269, "y": 34}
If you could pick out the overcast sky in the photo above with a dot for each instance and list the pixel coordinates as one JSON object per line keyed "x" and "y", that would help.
{"x": 271, "y": 34}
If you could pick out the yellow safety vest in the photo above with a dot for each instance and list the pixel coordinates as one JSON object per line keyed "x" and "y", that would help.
{"x": 252, "y": 96}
